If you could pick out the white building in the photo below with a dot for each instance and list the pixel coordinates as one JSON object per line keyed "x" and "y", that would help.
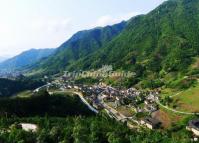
{"x": 29, "y": 127}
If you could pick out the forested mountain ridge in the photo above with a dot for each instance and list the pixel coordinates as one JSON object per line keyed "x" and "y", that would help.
{"x": 80, "y": 45}
{"x": 165, "y": 39}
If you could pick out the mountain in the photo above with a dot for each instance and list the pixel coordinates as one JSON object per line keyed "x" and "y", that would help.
{"x": 165, "y": 39}
{"x": 161, "y": 46}
{"x": 2, "y": 59}
{"x": 24, "y": 59}
{"x": 80, "y": 45}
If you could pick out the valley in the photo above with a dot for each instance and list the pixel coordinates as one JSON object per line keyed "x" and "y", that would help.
{"x": 97, "y": 98}
{"x": 126, "y": 105}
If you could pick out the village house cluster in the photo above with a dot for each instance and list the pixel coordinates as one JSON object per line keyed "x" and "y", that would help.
{"x": 99, "y": 95}
{"x": 139, "y": 101}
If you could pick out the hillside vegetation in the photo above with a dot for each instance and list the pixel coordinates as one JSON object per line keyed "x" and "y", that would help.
{"x": 81, "y": 44}
{"x": 11, "y": 87}
{"x": 159, "y": 46}
{"x": 42, "y": 104}
{"x": 165, "y": 39}
{"x": 99, "y": 129}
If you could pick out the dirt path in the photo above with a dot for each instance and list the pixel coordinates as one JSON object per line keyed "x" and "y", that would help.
{"x": 176, "y": 111}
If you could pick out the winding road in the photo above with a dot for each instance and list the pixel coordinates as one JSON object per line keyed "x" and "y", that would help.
{"x": 85, "y": 102}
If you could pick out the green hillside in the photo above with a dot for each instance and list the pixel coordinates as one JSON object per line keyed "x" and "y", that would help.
{"x": 78, "y": 46}
{"x": 166, "y": 38}
{"x": 163, "y": 42}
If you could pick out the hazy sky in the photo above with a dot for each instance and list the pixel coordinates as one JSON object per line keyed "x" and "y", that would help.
{"x": 26, "y": 24}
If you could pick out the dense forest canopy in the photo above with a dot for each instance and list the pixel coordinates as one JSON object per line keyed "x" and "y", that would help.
{"x": 41, "y": 104}
{"x": 10, "y": 87}
{"x": 99, "y": 129}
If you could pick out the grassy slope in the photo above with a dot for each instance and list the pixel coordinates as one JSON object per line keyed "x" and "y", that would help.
{"x": 188, "y": 100}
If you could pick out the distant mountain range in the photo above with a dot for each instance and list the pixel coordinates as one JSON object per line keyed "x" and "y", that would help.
{"x": 25, "y": 59}
{"x": 3, "y": 59}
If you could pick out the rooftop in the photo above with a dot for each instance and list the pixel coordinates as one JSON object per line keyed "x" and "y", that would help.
{"x": 194, "y": 124}
{"x": 152, "y": 121}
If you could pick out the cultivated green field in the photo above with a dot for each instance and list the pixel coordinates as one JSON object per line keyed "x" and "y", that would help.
{"x": 24, "y": 94}
{"x": 188, "y": 100}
